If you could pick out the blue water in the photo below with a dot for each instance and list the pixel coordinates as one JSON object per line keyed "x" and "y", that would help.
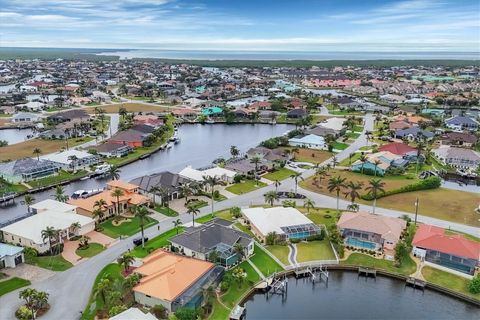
{"x": 360, "y": 244}
{"x": 288, "y": 55}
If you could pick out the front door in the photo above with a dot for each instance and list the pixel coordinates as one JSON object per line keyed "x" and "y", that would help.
{"x": 18, "y": 260}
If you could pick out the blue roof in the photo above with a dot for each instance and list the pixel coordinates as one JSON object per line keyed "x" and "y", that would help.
{"x": 211, "y": 110}
{"x": 9, "y": 250}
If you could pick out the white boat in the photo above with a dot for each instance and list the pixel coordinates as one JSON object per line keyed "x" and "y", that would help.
{"x": 85, "y": 193}
{"x": 103, "y": 168}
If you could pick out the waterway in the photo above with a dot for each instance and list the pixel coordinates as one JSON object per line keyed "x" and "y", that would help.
{"x": 199, "y": 146}
{"x": 13, "y": 136}
{"x": 350, "y": 297}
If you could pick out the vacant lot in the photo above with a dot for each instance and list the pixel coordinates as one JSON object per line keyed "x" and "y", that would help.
{"x": 25, "y": 149}
{"x": 312, "y": 155}
{"x": 131, "y": 107}
{"x": 280, "y": 174}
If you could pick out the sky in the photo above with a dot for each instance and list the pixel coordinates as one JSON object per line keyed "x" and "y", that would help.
{"x": 262, "y": 25}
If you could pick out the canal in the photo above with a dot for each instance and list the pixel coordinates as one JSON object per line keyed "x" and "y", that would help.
{"x": 199, "y": 146}
{"x": 350, "y": 297}
{"x": 13, "y": 136}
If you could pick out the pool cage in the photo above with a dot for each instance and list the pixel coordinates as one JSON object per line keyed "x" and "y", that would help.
{"x": 301, "y": 231}
{"x": 226, "y": 255}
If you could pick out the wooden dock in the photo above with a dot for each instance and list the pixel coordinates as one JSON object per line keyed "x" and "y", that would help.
{"x": 367, "y": 272}
{"x": 315, "y": 273}
{"x": 7, "y": 198}
{"x": 416, "y": 283}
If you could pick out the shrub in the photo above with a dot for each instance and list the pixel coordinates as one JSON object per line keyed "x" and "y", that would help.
{"x": 116, "y": 310}
{"x": 474, "y": 285}
{"x": 23, "y": 313}
{"x": 159, "y": 311}
{"x": 224, "y": 285}
{"x": 426, "y": 184}
{"x": 295, "y": 240}
{"x": 186, "y": 314}
{"x": 235, "y": 212}
{"x": 237, "y": 178}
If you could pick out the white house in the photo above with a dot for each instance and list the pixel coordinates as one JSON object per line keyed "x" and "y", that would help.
{"x": 311, "y": 141}
{"x": 25, "y": 117}
{"x": 10, "y": 256}
{"x": 197, "y": 175}
{"x": 133, "y": 314}
{"x": 72, "y": 159}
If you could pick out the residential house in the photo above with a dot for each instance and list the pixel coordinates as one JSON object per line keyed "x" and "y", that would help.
{"x": 130, "y": 137}
{"x": 460, "y": 139}
{"x": 60, "y": 216}
{"x": 378, "y": 162}
{"x": 222, "y": 174}
{"x": 148, "y": 119}
{"x": 69, "y": 116}
{"x": 130, "y": 198}
{"x": 310, "y": 141}
{"x": 372, "y": 232}
{"x": 399, "y": 125}
{"x": 167, "y": 180}
{"x": 214, "y": 236}
{"x": 185, "y": 113}
{"x": 460, "y": 123}
{"x": 174, "y": 281}
{"x": 413, "y": 133}
{"x": 460, "y": 158}
{"x": 400, "y": 149}
{"x": 287, "y": 223}
{"x": 24, "y": 117}
{"x": 72, "y": 159}
{"x": 113, "y": 150}
{"x": 133, "y": 314}
{"x": 273, "y": 155}
{"x": 445, "y": 250}
{"x": 10, "y": 256}
{"x": 27, "y": 169}
{"x": 322, "y": 131}
{"x": 297, "y": 113}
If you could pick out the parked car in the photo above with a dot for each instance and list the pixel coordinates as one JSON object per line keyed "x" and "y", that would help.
{"x": 138, "y": 241}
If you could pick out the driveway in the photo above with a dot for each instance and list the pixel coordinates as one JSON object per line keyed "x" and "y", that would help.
{"x": 69, "y": 252}
{"x": 28, "y": 272}
{"x": 100, "y": 238}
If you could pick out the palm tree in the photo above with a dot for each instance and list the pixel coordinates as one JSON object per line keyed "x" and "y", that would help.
{"x": 29, "y": 200}
{"x": 117, "y": 193}
{"x": 126, "y": 260}
{"x": 277, "y": 184}
{"x": 271, "y": 197}
{"x": 336, "y": 184}
{"x": 256, "y": 159}
{"x": 295, "y": 176}
{"x": 376, "y": 163}
{"x": 234, "y": 151}
{"x": 153, "y": 190}
{"x": 353, "y": 188}
{"x": 193, "y": 211}
{"x": 176, "y": 224}
{"x": 74, "y": 227}
{"x": 362, "y": 159}
{"x": 334, "y": 161}
{"x": 350, "y": 156}
{"x": 113, "y": 173}
{"x": 354, "y": 207}
{"x": 98, "y": 213}
{"x": 186, "y": 190}
{"x": 239, "y": 250}
{"x": 375, "y": 187}
{"x": 420, "y": 147}
{"x": 164, "y": 196}
{"x": 309, "y": 204}
{"x": 74, "y": 160}
{"x": 60, "y": 194}
{"x": 212, "y": 182}
{"x": 102, "y": 289}
{"x": 295, "y": 151}
{"x": 37, "y": 152}
{"x": 48, "y": 234}
{"x": 142, "y": 212}
{"x": 320, "y": 172}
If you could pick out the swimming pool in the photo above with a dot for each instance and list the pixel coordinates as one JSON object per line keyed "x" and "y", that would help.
{"x": 360, "y": 244}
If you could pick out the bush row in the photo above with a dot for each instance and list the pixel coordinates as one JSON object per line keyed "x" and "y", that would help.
{"x": 426, "y": 184}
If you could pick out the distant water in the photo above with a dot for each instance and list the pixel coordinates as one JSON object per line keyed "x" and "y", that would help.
{"x": 289, "y": 55}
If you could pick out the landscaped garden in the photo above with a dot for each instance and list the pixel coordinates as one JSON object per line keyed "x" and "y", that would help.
{"x": 407, "y": 267}
{"x": 156, "y": 243}
{"x": 12, "y": 284}
{"x": 245, "y": 186}
{"x": 279, "y": 174}
{"x": 92, "y": 249}
{"x": 121, "y": 226}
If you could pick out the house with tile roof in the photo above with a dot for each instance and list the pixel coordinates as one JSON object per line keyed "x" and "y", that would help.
{"x": 174, "y": 281}
{"x": 460, "y": 158}
{"x": 448, "y": 251}
{"x": 379, "y": 162}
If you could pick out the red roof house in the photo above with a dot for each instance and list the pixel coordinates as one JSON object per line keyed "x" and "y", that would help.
{"x": 397, "y": 148}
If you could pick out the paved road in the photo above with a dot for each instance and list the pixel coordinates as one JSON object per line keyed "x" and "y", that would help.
{"x": 70, "y": 290}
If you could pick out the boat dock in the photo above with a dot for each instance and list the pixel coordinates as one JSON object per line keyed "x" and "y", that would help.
{"x": 237, "y": 313}
{"x": 317, "y": 273}
{"x": 416, "y": 283}
{"x": 7, "y": 198}
{"x": 367, "y": 272}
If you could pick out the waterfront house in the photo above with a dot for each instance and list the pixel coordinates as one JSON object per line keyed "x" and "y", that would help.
{"x": 212, "y": 111}
{"x": 399, "y": 125}
{"x": 273, "y": 155}
{"x": 113, "y": 150}
{"x": 287, "y": 223}
{"x": 133, "y": 314}
{"x": 132, "y": 138}
{"x": 444, "y": 250}
{"x": 322, "y": 131}
{"x": 163, "y": 180}
{"x": 297, "y": 113}
{"x": 148, "y": 119}
{"x": 130, "y": 198}
{"x": 369, "y": 231}
{"x": 460, "y": 139}
{"x": 460, "y": 123}
{"x": 413, "y": 133}
{"x": 174, "y": 281}
{"x": 72, "y": 159}
{"x": 70, "y": 115}
{"x": 459, "y": 158}
{"x": 310, "y": 141}
{"x": 214, "y": 236}
{"x": 60, "y": 216}
{"x": 10, "y": 256}
{"x": 25, "y": 117}
{"x": 384, "y": 159}
{"x": 27, "y": 169}
{"x": 185, "y": 113}
{"x": 222, "y": 174}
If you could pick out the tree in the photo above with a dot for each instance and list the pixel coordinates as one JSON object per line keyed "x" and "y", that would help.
{"x": 34, "y": 300}
{"x": 164, "y": 196}
{"x": 117, "y": 193}
{"x": 211, "y": 181}
{"x": 334, "y": 161}
{"x": 49, "y": 233}
{"x": 153, "y": 190}
{"x": 29, "y": 200}
{"x": 354, "y": 207}
{"x": 271, "y": 238}
{"x": 320, "y": 173}
{"x": 401, "y": 251}
{"x": 353, "y": 188}
{"x": 362, "y": 159}
{"x": 309, "y": 204}
{"x": 113, "y": 173}
{"x": 256, "y": 159}
{"x": 177, "y": 224}
{"x": 186, "y": 314}
{"x": 235, "y": 212}
{"x": 420, "y": 148}
{"x": 193, "y": 211}
{"x": 37, "y": 152}
{"x": 74, "y": 227}
{"x": 277, "y": 184}
{"x": 186, "y": 190}
{"x": 73, "y": 159}
{"x": 376, "y": 162}
{"x": 60, "y": 194}
{"x": 335, "y": 184}
{"x": 142, "y": 213}
{"x": 102, "y": 288}
{"x": 126, "y": 260}
{"x": 271, "y": 197}
{"x": 213, "y": 256}
{"x": 374, "y": 188}
{"x": 295, "y": 176}
{"x": 239, "y": 250}
{"x": 474, "y": 285}
{"x": 234, "y": 151}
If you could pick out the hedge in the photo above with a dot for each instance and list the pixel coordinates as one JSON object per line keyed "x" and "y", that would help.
{"x": 426, "y": 184}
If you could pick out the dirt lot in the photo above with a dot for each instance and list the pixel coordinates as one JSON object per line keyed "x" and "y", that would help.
{"x": 311, "y": 155}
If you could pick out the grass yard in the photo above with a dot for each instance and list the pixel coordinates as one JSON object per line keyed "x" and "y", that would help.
{"x": 54, "y": 263}
{"x": 339, "y": 146}
{"x": 266, "y": 264}
{"x": 131, "y": 107}
{"x": 12, "y": 285}
{"x": 126, "y": 228}
{"x": 169, "y": 212}
{"x": 348, "y": 161}
{"x": 112, "y": 271}
{"x": 6, "y": 187}
{"x": 92, "y": 250}
{"x": 60, "y": 177}
{"x": 314, "y": 250}
{"x": 231, "y": 297}
{"x": 448, "y": 280}
{"x": 219, "y": 312}
{"x": 245, "y": 186}
{"x": 321, "y": 216}
{"x": 280, "y": 174}
{"x": 281, "y": 252}
{"x": 243, "y": 228}
{"x": 357, "y": 259}
{"x": 312, "y": 155}
{"x": 155, "y": 243}
{"x": 25, "y": 149}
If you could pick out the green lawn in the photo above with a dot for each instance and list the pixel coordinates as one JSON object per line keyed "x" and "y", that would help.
{"x": 314, "y": 250}
{"x": 8, "y": 187}
{"x": 169, "y": 212}
{"x": 280, "y": 174}
{"x": 155, "y": 243}
{"x": 448, "y": 280}
{"x": 231, "y": 297}
{"x": 353, "y": 135}
{"x": 12, "y": 285}
{"x": 111, "y": 271}
{"x": 60, "y": 177}
{"x": 357, "y": 259}
{"x": 54, "y": 263}
{"x": 243, "y": 228}
{"x": 281, "y": 252}
{"x": 320, "y": 215}
{"x": 347, "y": 162}
{"x": 219, "y": 311}
{"x": 198, "y": 204}
{"x": 264, "y": 262}
{"x": 92, "y": 250}
{"x": 126, "y": 228}
{"x": 245, "y": 186}
{"x": 339, "y": 146}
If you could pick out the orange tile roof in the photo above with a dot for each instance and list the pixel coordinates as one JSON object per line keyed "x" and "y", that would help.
{"x": 167, "y": 275}
{"x": 121, "y": 184}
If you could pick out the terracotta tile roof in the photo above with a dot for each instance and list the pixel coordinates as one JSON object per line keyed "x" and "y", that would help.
{"x": 434, "y": 238}
{"x": 397, "y": 148}
{"x": 167, "y": 275}
{"x": 121, "y": 184}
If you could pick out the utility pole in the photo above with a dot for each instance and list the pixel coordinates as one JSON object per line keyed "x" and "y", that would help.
{"x": 416, "y": 211}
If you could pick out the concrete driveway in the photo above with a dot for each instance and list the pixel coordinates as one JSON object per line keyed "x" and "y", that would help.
{"x": 29, "y": 272}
